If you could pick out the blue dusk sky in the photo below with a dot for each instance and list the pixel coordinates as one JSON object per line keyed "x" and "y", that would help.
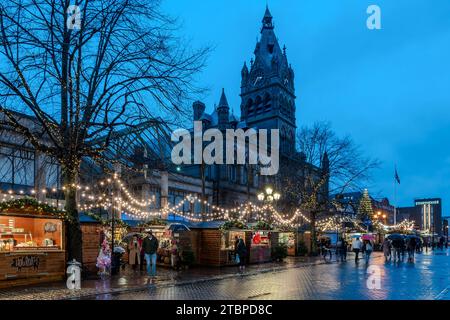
{"x": 389, "y": 89}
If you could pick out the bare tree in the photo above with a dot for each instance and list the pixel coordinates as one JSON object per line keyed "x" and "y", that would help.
{"x": 327, "y": 164}
{"x": 85, "y": 72}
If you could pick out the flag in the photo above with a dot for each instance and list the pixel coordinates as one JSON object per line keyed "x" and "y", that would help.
{"x": 396, "y": 177}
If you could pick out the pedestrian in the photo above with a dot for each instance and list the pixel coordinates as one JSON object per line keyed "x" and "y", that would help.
{"x": 341, "y": 250}
{"x": 134, "y": 249}
{"x": 403, "y": 249}
{"x": 174, "y": 255}
{"x": 397, "y": 245}
{"x": 241, "y": 254}
{"x": 387, "y": 249}
{"x": 367, "y": 249}
{"x": 412, "y": 243}
{"x": 356, "y": 247}
{"x": 150, "y": 246}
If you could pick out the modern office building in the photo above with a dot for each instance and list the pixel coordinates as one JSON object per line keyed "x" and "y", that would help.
{"x": 427, "y": 214}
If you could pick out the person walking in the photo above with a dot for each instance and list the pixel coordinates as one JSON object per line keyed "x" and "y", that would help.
{"x": 174, "y": 255}
{"x": 356, "y": 247}
{"x": 241, "y": 254}
{"x": 150, "y": 246}
{"x": 387, "y": 249}
{"x": 367, "y": 249}
{"x": 412, "y": 243}
{"x": 134, "y": 249}
{"x": 397, "y": 245}
{"x": 341, "y": 250}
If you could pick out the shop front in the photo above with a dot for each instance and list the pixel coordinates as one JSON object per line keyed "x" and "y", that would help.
{"x": 174, "y": 239}
{"x": 31, "y": 247}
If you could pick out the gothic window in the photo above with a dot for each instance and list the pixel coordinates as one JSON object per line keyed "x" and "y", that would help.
{"x": 267, "y": 102}
{"x": 258, "y": 105}
{"x": 283, "y": 140}
{"x": 250, "y": 107}
{"x": 291, "y": 141}
{"x": 283, "y": 105}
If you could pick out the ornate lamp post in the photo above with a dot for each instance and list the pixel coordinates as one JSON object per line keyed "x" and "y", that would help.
{"x": 269, "y": 196}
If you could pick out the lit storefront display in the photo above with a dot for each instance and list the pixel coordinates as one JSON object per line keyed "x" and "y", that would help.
{"x": 31, "y": 247}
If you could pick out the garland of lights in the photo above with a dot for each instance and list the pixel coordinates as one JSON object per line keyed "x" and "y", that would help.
{"x": 37, "y": 207}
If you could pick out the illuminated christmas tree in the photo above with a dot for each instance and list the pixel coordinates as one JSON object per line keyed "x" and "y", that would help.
{"x": 365, "y": 206}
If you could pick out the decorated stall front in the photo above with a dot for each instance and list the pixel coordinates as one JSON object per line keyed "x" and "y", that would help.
{"x": 177, "y": 243}
{"x": 31, "y": 243}
{"x": 218, "y": 243}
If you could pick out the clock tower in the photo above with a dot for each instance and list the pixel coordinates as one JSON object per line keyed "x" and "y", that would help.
{"x": 267, "y": 89}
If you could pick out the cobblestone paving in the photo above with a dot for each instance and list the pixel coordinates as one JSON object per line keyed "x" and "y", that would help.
{"x": 427, "y": 278}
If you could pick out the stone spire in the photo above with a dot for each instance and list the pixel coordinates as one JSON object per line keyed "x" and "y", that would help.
{"x": 267, "y": 19}
{"x": 223, "y": 111}
{"x": 223, "y": 103}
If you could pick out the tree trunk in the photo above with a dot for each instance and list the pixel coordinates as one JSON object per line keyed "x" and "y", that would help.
{"x": 313, "y": 245}
{"x": 73, "y": 230}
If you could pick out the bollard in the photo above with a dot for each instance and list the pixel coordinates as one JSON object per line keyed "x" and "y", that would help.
{"x": 74, "y": 275}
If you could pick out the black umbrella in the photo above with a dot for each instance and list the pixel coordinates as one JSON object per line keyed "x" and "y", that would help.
{"x": 412, "y": 236}
{"x": 395, "y": 236}
{"x": 129, "y": 236}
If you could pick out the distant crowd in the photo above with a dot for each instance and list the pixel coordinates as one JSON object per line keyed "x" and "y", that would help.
{"x": 395, "y": 247}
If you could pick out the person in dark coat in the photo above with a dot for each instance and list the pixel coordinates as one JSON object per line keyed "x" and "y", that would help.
{"x": 150, "y": 246}
{"x": 241, "y": 252}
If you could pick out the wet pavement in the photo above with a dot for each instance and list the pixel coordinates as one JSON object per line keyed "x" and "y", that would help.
{"x": 130, "y": 281}
{"x": 428, "y": 278}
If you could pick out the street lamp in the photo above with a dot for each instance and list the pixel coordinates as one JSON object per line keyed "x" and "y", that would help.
{"x": 269, "y": 196}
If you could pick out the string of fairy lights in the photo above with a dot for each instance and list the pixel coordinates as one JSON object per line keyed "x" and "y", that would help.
{"x": 107, "y": 194}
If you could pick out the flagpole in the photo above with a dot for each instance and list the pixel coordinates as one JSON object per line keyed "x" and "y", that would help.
{"x": 395, "y": 196}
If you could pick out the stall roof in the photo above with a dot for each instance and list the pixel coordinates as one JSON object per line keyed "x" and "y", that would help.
{"x": 206, "y": 225}
{"x": 84, "y": 218}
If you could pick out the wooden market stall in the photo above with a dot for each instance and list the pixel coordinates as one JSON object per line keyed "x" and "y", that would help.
{"x": 32, "y": 238}
{"x": 168, "y": 234}
{"x": 217, "y": 243}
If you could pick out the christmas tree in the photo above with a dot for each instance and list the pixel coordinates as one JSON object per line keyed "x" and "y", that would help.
{"x": 365, "y": 206}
